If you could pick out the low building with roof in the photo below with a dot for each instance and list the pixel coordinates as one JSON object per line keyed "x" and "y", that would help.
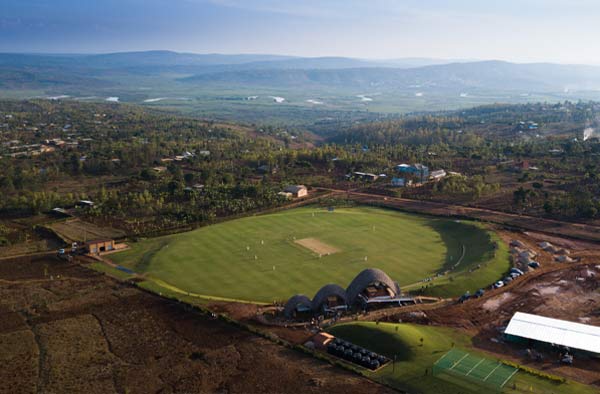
{"x": 437, "y": 175}
{"x": 535, "y": 329}
{"x": 99, "y": 246}
{"x": 297, "y": 306}
{"x": 373, "y": 286}
{"x": 297, "y": 190}
{"x": 366, "y": 176}
{"x": 330, "y": 298}
{"x": 418, "y": 171}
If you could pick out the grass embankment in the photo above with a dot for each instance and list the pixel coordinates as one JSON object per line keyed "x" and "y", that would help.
{"x": 257, "y": 258}
{"x": 413, "y": 369}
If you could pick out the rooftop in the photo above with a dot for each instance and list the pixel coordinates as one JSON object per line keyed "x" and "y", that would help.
{"x": 555, "y": 331}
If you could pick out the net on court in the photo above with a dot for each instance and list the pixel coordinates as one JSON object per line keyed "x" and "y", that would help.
{"x": 474, "y": 369}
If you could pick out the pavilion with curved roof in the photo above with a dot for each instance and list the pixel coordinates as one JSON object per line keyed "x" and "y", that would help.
{"x": 371, "y": 278}
{"x": 329, "y": 297}
{"x": 370, "y": 286}
{"x": 298, "y": 303}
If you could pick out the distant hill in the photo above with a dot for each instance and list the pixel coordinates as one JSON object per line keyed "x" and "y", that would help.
{"x": 162, "y": 59}
{"x": 487, "y": 75}
{"x": 244, "y": 86}
{"x": 133, "y": 59}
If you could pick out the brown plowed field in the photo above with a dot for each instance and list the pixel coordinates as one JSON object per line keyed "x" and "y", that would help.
{"x": 65, "y": 329}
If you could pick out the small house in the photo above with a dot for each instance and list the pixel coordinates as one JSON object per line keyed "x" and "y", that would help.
{"x": 417, "y": 171}
{"x": 398, "y": 182}
{"x": 296, "y": 190}
{"x": 99, "y": 246}
{"x": 366, "y": 176}
{"x": 437, "y": 175}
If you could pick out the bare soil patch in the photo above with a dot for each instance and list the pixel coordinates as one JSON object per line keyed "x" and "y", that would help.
{"x": 76, "y": 230}
{"x": 64, "y": 328}
{"x": 567, "y": 292}
{"x": 317, "y": 246}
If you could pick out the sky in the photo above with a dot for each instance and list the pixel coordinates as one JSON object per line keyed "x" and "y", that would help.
{"x": 565, "y": 31}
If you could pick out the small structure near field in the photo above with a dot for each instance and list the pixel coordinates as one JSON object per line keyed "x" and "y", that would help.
{"x": 99, "y": 246}
{"x": 418, "y": 172}
{"x": 398, "y": 182}
{"x": 371, "y": 288}
{"x": 297, "y": 306}
{"x": 365, "y": 176}
{"x": 437, "y": 175}
{"x": 356, "y": 354}
{"x": 544, "y": 330}
{"x": 330, "y": 298}
{"x": 297, "y": 190}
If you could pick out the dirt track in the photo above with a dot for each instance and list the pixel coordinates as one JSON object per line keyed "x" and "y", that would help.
{"x": 64, "y": 328}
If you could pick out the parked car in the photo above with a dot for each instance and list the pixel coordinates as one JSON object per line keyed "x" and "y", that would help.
{"x": 515, "y": 270}
{"x": 498, "y": 284}
{"x": 507, "y": 280}
{"x": 464, "y": 297}
{"x": 479, "y": 293}
{"x": 534, "y": 264}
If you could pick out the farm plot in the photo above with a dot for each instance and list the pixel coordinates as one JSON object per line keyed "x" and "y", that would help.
{"x": 76, "y": 230}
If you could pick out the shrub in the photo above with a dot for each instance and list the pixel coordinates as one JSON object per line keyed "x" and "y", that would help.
{"x": 535, "y": 372}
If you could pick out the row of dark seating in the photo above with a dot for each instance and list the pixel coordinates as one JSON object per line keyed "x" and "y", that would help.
{"x": 355, "y": 354}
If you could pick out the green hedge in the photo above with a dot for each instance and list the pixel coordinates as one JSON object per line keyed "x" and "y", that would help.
{"x": 535, "y": 372}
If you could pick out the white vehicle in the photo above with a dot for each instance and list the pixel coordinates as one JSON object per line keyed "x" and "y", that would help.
{"x": 498, "y": 284}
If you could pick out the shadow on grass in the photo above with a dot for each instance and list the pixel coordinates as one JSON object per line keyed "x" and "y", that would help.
{"x": 144, "y": 262}
{"x": 376, "y": 340}
{"x": 478, "y": 246}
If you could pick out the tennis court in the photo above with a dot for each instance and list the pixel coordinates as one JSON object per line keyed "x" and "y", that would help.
{"x": 475, "y": 369}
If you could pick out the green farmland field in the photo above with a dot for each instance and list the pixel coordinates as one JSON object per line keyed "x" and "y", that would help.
{"x": 259, "y": 259}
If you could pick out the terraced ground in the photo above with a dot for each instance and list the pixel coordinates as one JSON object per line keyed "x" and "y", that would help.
{"x": 259, "y": 259}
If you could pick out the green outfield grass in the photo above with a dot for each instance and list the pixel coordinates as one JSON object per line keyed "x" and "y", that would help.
{"x": 256, "y": 258}
{"x": 415, "y": 359}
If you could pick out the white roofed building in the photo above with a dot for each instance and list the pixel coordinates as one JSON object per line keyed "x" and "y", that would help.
{"x": 575, "y": 336}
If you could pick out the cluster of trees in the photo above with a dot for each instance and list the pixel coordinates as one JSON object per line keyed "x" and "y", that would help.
{"x": 469, "y": 188}
{"x": 156, "y": 210}
{"x": 120, "y": 146}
